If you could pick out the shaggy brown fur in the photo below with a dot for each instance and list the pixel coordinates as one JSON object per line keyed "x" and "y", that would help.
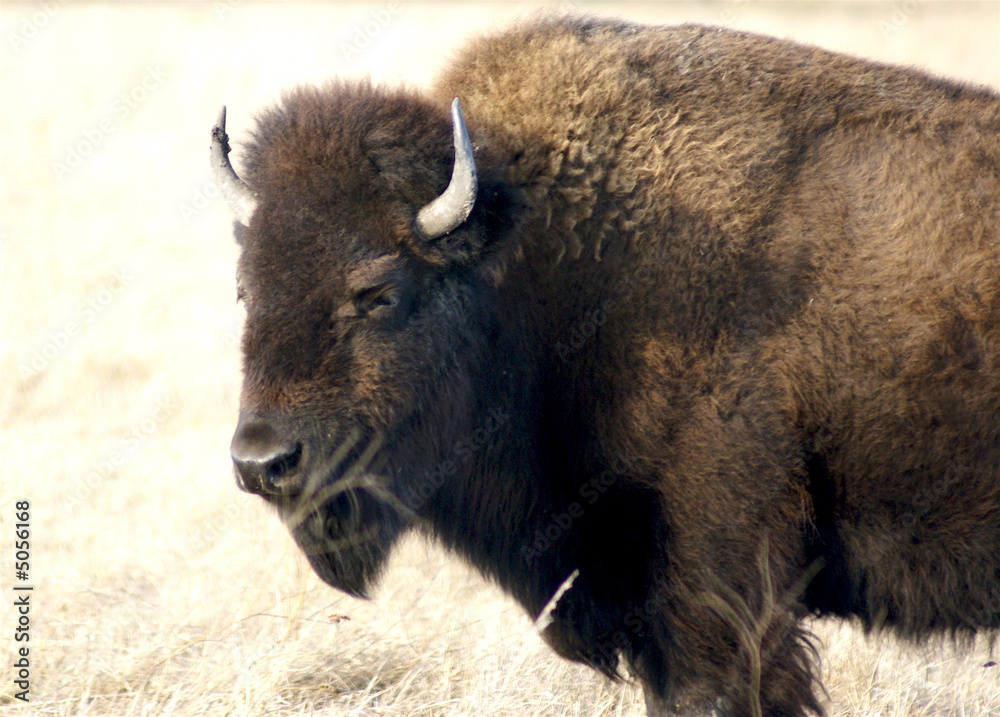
{"x": 722, "y": 333}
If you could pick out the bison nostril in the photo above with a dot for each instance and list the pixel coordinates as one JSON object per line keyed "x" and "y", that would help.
{"x": 266, "y": 462}
{"x": 272, "y": 470}
{"x": 284, "y": 465}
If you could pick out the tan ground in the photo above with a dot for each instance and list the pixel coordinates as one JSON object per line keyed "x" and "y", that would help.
{"x": 159, "y": 588}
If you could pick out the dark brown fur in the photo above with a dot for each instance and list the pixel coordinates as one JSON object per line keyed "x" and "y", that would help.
{"x": 722, "y": 333}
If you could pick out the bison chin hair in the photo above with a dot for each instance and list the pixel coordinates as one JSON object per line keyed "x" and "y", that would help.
{"x": 346, "y": 530}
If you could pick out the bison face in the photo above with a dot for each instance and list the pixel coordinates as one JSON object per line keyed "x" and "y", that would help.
{"x": 368, "y": 313}
{"x": 340, "y": 391}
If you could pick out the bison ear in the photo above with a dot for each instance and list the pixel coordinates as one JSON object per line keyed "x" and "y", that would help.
{"x": 489, "y": 235}
{"x": 240, "y": 233}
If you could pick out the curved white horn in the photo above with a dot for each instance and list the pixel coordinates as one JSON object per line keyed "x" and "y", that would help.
{"x": 238, "y": 196}
{"x": 453, "y": 207}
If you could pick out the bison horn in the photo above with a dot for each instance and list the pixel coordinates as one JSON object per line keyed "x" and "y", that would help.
{"x": 452, "y": 208}
{"x": 238, "y": 196}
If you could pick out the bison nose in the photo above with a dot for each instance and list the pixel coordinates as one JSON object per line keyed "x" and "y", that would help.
{"x": 267, "y": 463}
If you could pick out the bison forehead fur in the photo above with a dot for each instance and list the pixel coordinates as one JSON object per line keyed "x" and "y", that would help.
{"x": 720, "y": 336}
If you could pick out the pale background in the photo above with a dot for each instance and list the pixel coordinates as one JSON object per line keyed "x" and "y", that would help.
{"x": 161, "y": 589}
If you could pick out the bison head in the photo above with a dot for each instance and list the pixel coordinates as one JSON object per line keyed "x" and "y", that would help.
{"x": 366, "y": 261}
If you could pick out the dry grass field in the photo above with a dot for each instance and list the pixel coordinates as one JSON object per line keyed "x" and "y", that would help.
{"x": 158, "y": 587}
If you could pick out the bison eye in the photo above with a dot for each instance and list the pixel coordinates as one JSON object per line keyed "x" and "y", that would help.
{"x": 377, "y": 300}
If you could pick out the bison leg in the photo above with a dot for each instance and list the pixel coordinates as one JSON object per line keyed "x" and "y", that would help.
{"x": 785, "y": 690}
{"x": 735, "y": 651}
{"x": 657, "y": 707}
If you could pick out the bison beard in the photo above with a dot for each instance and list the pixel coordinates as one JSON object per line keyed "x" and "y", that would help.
{"x": 346, "y": 538}
{"x": 708, "y": 321}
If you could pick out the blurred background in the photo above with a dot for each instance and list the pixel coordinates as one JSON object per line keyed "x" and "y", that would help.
{"x": 160, "y": 588}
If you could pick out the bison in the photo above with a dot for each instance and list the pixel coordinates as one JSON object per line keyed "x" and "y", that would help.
{"x": 680, "y": 335}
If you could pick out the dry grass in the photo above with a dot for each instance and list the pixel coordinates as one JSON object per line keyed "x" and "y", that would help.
{"x": 159, "y": 588}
